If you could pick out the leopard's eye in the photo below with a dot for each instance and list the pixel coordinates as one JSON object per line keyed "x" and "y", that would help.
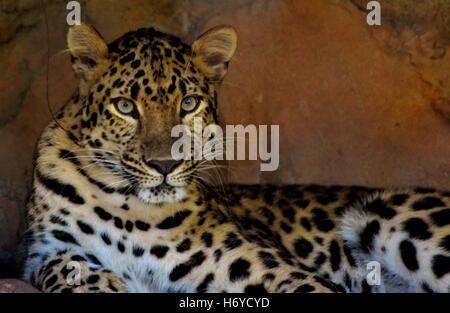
{"x": 189, "y": 104}
{"x": 125, "y": 107}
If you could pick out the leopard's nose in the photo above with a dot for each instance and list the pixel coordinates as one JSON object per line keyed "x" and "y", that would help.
{"x": 164, "y": 167}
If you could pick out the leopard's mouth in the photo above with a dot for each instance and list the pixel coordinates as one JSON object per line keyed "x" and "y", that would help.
{"x": 157, "y": 189}
{"x": 162, "y": 188}
{"x": 163, "y": 193}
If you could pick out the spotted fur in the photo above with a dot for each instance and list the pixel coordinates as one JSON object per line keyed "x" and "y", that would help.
{"x": 111, "y": 212}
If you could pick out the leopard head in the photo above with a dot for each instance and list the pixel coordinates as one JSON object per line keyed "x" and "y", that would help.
{"x": 134, "y": 91}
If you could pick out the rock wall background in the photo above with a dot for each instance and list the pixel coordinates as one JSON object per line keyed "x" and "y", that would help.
{"x": 355, "y": 104}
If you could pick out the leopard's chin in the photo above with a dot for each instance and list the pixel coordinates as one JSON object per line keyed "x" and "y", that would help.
{"x": 161, "y": 194}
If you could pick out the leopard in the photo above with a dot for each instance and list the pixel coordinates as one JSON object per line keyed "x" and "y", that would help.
{"x": 112, "y": 211}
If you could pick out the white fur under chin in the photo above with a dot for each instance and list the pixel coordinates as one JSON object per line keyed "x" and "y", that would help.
{"x": 170, "y": 196}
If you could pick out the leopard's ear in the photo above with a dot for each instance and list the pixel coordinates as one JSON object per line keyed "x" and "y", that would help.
{"x": 90, "y": 57}
{"x": 213, "y": 50}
